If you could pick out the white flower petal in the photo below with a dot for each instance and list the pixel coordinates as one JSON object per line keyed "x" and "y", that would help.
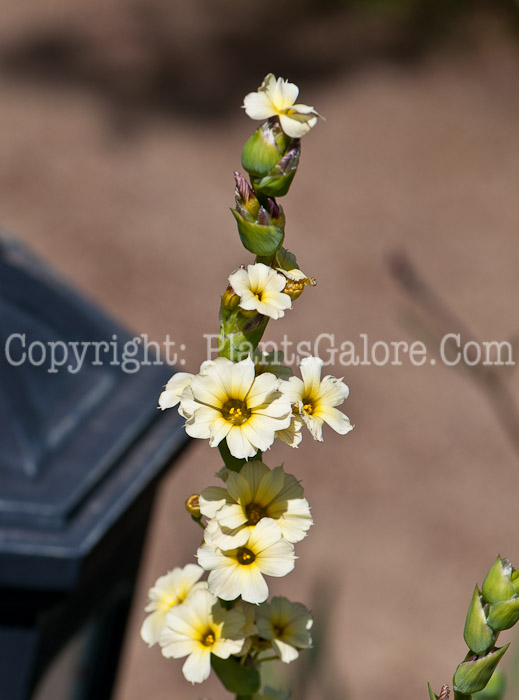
{"x": 199, "y": 425}
{"x": 152, "y": 627}
{"x": 198, "y": 665}
{"x": 285, "y": 652}
{"x": 257, "y": 105}
{"x": 277, "y": 560}
{"x": 266, "y": 533}
{"x": 211, "y": 500}
{"x": 335, "y": 419}
{"x": 227, "y": 583}
{"x": 315, "y": 426}
{"x": 254, "y": 588}
{"x": 171, "y": 395}
{"x": 238, "y": 444}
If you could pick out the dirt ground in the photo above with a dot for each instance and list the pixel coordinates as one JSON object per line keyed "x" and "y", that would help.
{"x": 117, "y": 149}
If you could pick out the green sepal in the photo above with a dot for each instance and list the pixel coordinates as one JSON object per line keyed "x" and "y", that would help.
{"x": 234, "y": 463}
{"x": 477, "y": 634}
{"x": 515, "y": 579}
{"x": 274, "y": 185}
{"x": 238, "y": 679}
{"x": 258, "y": 239}
{"x": 432, "y": 696}
{"x": 498, "y": 584}
{"x": 503, "y": 615}
{"x": 495, "y": 689}
{"x": 264, "y": 149}
{"x": 474, "y": 673}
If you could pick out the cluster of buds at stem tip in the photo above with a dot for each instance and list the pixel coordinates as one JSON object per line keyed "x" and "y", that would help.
{"x": 271, "y": 159}
{"x": 261, "y": 224}
{"x": 493, "y": 609}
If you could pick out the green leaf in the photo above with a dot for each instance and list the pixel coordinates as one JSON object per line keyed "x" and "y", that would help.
{"x": 236, "y": 678}
{"x": 432, "y": 696}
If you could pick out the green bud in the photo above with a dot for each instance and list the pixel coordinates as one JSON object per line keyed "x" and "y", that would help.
{"x": 474, "y": 673}
{"x": 240, "y": 333}
{"x": 515, "y": 579}
{"x": 477, "y": 634}
{"x": 271, "y": 159}
{"x": 261, "y": 225}
{"x": 498, "y": 584}
{"x": 230, "y": 300}
{"x": 503, "y": 615}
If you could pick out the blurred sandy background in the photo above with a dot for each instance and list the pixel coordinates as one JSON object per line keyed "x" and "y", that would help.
{"x": 120, "y": 129}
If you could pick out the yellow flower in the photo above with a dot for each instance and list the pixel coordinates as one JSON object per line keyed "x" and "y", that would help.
{"x": 168, "y": 591}
{"x": 239, "y": 571}
{"x": 287, "y": 625}
{"x": 276, "y": 98}
{"x": 260, "y": 289}
{"x": 255, "y": 493}
{"x": 226, "y": 401}
{"x": 315, "y": 399}
{"x": 201, "y": 627}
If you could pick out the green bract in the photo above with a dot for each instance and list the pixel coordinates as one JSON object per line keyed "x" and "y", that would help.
{"x": 498, "y": 584}
{"x": 259, "y": 239}
{"x": 271, "y": 159}
{"x": 474, "y": 673}
{"x": 478, "y": 635}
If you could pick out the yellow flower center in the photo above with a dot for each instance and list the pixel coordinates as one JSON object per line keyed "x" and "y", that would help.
{"x": 236, "y": 412}
{"x": 209, "y": 638}
{"x": 245, "y": 556}
{"x": 254, "y": 513}
{"x": 308, "y": 407}
{"x": 259, "y": 296}
{"x": 278, "y": 631}
{"x": 168, "y": 601}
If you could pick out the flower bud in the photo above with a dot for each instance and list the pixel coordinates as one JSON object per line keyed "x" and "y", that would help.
{"x": 271, "y": 159}
{"x": 230, "y": 299}
{"x": 498, "y": 584}
{"x": 477, "y": 634}
{"x": 193, "y": 505}
{"x": 503, "y": 615}
{"x": 261, "y": 226}
{"x": 474, "y": 673}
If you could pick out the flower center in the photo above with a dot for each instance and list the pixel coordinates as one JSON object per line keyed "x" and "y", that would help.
{"x": 278, "y": 631}
{"x": 254, "y": 513}
{"x": 308, "y": 407}
{"x": 245, "y": 556}
{"x": 236, "y": 412}
{"x": 208, "y": 639}
{"x": 259, "y": 296}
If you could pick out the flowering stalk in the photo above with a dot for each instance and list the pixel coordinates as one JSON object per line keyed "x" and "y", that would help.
{"x": 492, "y": 609}
{"x": 241, "y": 402}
